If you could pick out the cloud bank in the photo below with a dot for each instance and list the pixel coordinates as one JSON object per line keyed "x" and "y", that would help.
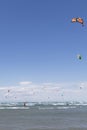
{"x": 58, "y": 92}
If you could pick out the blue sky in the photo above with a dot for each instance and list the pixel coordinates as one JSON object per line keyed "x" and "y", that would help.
{"x": 39, "y": 44}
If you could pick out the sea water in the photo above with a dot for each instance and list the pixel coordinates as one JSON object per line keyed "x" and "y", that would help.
{"x": 43, "y": 116}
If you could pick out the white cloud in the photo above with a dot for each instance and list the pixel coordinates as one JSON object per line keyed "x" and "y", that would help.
{"x": 25, "y": 83}
{"x": 83, "y": 85}
{"x": 45, "y": 92}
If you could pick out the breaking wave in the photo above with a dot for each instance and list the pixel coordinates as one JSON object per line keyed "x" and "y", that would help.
{"x": 42, "y": 105}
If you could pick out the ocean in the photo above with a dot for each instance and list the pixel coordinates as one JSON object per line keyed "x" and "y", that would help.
{"x": 43, "y": 116}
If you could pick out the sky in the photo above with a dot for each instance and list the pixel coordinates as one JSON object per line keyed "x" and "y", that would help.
{"x": 39, "y": 47}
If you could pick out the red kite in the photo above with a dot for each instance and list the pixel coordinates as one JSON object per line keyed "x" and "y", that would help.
{"x": 79, "y": 20}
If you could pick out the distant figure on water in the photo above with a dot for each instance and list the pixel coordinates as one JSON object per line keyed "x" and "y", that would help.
{"x": 24, "y": 104}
